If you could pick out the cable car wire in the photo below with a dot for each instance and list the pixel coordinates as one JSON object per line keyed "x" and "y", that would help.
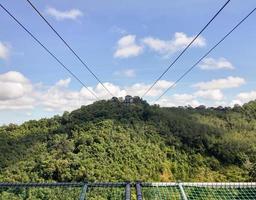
{"x": 184, "y": 50}
{"x": 69, "y": 47}
{"x": 47, "y": 50}
{"x": 206, "y": 54}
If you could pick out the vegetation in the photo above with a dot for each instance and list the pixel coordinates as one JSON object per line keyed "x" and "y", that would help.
{"x": 118, "y": 140}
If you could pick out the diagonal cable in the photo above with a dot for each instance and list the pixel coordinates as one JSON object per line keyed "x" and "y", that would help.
{"x": 69, "y": 47}
{"x": 47, "y": 50}
{"x": 205, "y": 55}
{"x": 184, "y": 50}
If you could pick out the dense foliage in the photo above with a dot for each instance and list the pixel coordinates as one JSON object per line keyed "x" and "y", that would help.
{"x": 118, "y": 141}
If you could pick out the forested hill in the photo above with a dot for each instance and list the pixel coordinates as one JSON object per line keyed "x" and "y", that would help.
{"x": 130, "y": 140}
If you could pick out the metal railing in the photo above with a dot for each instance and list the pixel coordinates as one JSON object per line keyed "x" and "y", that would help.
{"x": 124, "y": 191}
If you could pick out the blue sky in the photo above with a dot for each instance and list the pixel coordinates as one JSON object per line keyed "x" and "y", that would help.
{"x": 127, "y": 44}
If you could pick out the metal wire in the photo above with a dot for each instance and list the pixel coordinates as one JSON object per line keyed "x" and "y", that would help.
{"x": 47, "y": 50}
{"x": 184, "y": 50}
{"x": 205, "y": 55}
{"x": 69, "y": 47}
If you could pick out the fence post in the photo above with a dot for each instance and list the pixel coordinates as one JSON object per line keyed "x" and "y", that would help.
{"x": 83, "y": 192}
{"x": 128, "y": 191}
{"x": 183, "y": 194}
{"x": 138, "y": 191}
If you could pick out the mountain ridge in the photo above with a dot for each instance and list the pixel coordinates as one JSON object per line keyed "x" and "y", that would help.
{"x": 120, "y": 140}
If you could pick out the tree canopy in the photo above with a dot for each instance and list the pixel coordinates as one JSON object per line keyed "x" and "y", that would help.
{"x": 119, "y": 140}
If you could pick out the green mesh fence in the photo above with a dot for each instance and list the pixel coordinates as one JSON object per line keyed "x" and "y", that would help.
{"x": 220, "y": 192}
{"x": 162, "y": 192}
{"x": 199, "y": 191}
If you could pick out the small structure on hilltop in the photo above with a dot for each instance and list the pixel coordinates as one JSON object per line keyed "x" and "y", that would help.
{"x": 128, "y": 99}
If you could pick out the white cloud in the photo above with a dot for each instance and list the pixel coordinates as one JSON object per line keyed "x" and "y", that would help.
{"x": 16, "y": 91}
{"x": 11, "y": 90}
{"x": 229, "y": 82}
{"x": 115, "y": 90}
{"x": 72, "y": 14}
{"x": 63, "y": 82}
{"x": 13, "y": 85}
{"x": 214, "y": 64}
{"x": 247, "y": 96}
{"x": 216, "y": 94}
{"x": 139, "y": 89}
{"x": 130, "y": 73}
{"x": 191, "y": 99}
{"x": 179, "y": 100}
{"x": 177, "y": 43}
{"x": 60, "y": 98}
{"x": 127, "y": 47}
{"x": 13, "y": 76}
{"x": 4, "y": 51}
{"x": 244, "y": 97}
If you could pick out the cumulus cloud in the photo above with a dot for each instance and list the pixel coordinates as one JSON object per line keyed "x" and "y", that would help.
{"x": 127, "y": 47}
{"x": 216, "y": 95}
{"x": 63, "y": 82}
{"x": 191, "y": 99}
{"x": 247, "y": 96}
{"x": 4, "y": 51}
{"x": 11, "y": 90}
{"x": 224, "y": 83}
{"x": 244, "y": 97}
{"x": 13, "y": 76}
{"x": 13, "y": 85}
{"x": 59, "y": 98}
{"x": 17, "y": 92}
{"x": 139, "y": 89}
{"x": 115, "y": 90}
{"x": 179, "y": 100}
{"x": 72, "y": 14}
{"x": 129, "y": 73}
{"x": 177, "y": 43}
{"x": 214, "y": 64}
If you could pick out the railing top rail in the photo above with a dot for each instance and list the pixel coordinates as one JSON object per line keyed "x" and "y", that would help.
{"x": 63, "y": 184}
{"x": 123, "y": 184}
{"x": 201, "y": 184}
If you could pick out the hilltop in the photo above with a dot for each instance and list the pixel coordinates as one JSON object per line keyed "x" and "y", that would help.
{"x": 128, "y": 139}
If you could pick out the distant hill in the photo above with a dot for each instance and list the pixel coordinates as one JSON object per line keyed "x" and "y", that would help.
{"x": 119, "y": 140}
